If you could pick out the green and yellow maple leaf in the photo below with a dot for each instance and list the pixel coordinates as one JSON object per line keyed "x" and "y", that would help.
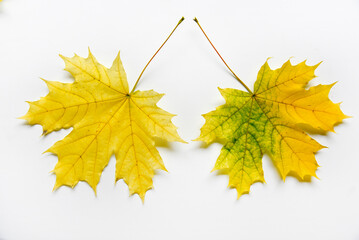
{"x": 106, "y": 119}
{"x": 272, "y": 119}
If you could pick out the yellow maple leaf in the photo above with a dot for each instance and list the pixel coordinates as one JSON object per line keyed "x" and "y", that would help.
{"x": 106, "y": 119}
{"x": 272, "y": 119}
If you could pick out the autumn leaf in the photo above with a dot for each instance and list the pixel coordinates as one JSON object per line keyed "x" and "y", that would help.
{"x": 271, "y": 120}
{"x": 106, "y": 119}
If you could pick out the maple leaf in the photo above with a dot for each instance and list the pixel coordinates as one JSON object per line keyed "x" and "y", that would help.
{"x": 106, "y": 119}
{"x": 272, "y": 119}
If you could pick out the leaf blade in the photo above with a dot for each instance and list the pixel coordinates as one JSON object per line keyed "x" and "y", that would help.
{"x": 272, "y": 121}
{"x": 106, "y": 120}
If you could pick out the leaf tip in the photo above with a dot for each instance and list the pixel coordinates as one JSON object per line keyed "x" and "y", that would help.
{"x": 63, "y": 57}
{"x": 56, "y": 186}
{"x": 44, "y": 133}
{"x": 142, "y": 196}
{"x": 240, "y": 193}
{"x": 118, "y": 55}
{"x": 317, "y": 65}
{"x": 221, "y": 90}
{"x": 90, "y": 55}
{"x": 24, "y": 117}
{"x": 268, "y": 58}
{"x": 322, "y": 146}
{"x": 50, "y": 150}
{"x": 43, "y": 79}
{"x": 95, "y": 191}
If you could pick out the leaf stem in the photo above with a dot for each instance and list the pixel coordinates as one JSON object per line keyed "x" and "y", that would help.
{"x": 235, "y": 76}
{"x": 138, "y": 79}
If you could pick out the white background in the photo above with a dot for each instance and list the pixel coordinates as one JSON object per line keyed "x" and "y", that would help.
{"x": 189, "y": 202}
